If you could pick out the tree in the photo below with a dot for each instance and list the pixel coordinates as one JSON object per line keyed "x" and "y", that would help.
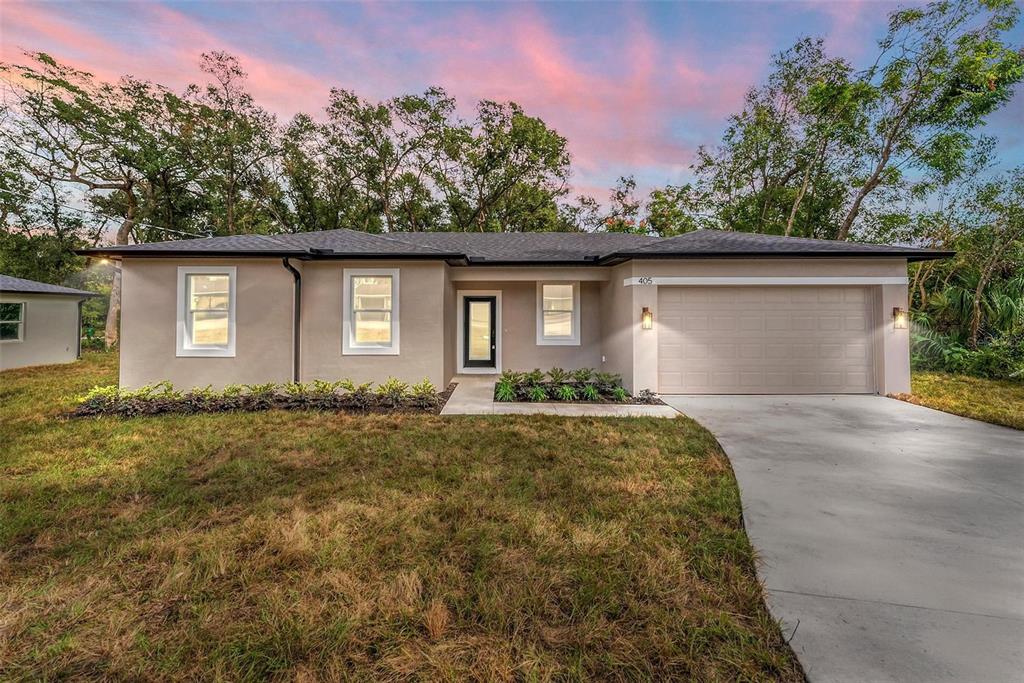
{"x": 387, "y": 150}
{"x": 228, "y": 139}
{"x": 774, "y": 171}
{"x": 942, "y": 69}
{"x": 110, "y": 140}
{"x": 624, "y": 208}
{"x": 504, "y": 171}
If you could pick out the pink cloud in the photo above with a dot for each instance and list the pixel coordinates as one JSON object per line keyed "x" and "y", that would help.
{"x": 620, "y": 102}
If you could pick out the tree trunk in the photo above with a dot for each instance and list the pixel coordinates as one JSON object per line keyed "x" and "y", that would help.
{"x": 110, "y": 331}
{"x": 112, "y": 327}
{"x": 976, "y": 309}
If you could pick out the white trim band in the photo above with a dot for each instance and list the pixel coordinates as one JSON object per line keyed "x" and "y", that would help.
{"x": 724, "y": 281}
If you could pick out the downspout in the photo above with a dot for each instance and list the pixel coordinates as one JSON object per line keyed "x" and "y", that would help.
{"x": 296, "y": 318}
{"x": 78, "y": 351}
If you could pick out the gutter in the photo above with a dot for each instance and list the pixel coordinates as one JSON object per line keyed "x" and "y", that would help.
{"x": 296, "y": 318}
{"x": 620, "y": 257}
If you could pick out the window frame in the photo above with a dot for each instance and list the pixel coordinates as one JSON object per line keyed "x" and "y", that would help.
{"x": 20, "y": 322}
{"x": 572, "y": 340}
{"x": 349, "y": 347}
{"x": 185, "y": 349}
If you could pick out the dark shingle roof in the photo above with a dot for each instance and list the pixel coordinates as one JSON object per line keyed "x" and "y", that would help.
{"x": 706, "y": 243}
{"x": 22, "y": 286}
{"x": 527, "y": 247}
{"x": 512, "y": 248}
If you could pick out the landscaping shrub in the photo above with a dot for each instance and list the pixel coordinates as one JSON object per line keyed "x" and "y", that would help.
{"x": 558, "y": 384}
{"x": 344, "y": 395}
{"x": 995, "y": 358}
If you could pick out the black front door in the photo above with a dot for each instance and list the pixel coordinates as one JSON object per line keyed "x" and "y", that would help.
{"x": 479, "y": 341}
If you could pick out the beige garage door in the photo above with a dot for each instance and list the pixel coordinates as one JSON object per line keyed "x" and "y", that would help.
{"x": 764, "y": 340}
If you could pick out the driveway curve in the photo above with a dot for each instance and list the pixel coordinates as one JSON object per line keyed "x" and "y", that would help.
{"x": 891, "y": 536}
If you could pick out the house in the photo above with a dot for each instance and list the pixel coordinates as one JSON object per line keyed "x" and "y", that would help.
{"x": 704, "y": 312}
{"x": 39, "y": 323}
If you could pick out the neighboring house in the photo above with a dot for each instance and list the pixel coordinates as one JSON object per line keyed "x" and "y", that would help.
{"x": 704, "y": 312}
{"x": 39, "y": 323}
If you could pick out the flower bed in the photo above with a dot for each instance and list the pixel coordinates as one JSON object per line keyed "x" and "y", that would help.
{"x": 342, "y": 396}
{"x": 567, "y": 386}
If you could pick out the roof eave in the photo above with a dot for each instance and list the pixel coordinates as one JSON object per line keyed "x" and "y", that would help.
{"x": 114, "y": 253}
{"x": 75, "y": 295}
{"x": 620, "y": 257}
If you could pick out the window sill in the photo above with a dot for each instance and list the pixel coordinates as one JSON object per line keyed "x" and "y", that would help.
{"x": 558, "y": 342}
{"x": 369, "y": 351}
{"x": 205, "y": 353}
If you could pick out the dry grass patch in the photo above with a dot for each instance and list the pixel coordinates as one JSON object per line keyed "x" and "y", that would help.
{"x": 1000, "y": 402}
{"x": 303, "y": 546}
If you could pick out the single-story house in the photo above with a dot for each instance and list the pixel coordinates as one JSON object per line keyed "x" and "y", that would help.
{"x": 40, "y": 323}
{"x": 705, "y": 312}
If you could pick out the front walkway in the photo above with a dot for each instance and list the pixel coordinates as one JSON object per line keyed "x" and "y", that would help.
{"x": 474, "y": 395}
{"x": 891, "y": 535}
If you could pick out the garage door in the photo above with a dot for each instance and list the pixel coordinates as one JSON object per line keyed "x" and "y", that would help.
{"x": 764, "y": 340}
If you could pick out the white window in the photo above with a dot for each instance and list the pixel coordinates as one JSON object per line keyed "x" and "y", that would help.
{"x": 370, "y": 318}
{"x": 558, "y": 313}
{"x": 12, "y": 322}
{"x": 206, "y": 311}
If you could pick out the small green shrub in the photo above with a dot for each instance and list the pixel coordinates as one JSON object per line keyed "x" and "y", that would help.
{"x": 536, "y": 393}
{"x": 583, "y": 375}
{"x": 558, "y": 375}
{"x": 423, "y": 394}
{"x": 619, "y": 394}
{"x": 504, "y": 390}
{"x": 590, "y": 393}
{"x": 392, "y": 391}
{"x": 566, "y": 392}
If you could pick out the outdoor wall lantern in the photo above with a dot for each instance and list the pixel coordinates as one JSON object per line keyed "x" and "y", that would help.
{"x": 899, "y": 318}
{"x": 646, "y": 318}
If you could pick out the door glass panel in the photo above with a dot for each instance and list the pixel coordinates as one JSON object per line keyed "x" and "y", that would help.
{"x": 479, "y": 330}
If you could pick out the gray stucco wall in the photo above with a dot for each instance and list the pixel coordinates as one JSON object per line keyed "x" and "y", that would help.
{"x": 50, "y": 331}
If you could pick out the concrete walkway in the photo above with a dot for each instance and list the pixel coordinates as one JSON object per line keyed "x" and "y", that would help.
{"x": 891, "y": 535}
{"x": 474, "y": 395}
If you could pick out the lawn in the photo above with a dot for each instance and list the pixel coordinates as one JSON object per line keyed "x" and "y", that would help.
{"x": 316, "y": 546}
{"x": 1000, "y": 402}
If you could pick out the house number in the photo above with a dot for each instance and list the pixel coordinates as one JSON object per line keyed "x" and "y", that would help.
{"x": 645, "y": 281}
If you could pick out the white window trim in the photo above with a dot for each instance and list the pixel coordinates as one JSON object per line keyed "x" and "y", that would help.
{"x": 184, "y": 349}
{"x": 21, "y": 323}
{"x": 348, "y": 345}
{"x": 461, "y": 326}
{"x": 574, "y": 340}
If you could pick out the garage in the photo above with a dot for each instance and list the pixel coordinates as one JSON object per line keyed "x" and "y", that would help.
{"x": 765, "y": 340}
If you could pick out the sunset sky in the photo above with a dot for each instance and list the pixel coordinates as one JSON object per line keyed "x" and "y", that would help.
{"x": 635, "y": 88}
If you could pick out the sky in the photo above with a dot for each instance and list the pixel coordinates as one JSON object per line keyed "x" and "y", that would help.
{"x": 635, "y": 88}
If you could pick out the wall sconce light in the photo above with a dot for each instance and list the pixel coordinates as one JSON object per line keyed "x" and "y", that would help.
{"x": 646, "y": 318}
{"x": 900, "y": 319}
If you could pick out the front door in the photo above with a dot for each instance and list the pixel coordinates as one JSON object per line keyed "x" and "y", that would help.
{"x": 479, "y": 339}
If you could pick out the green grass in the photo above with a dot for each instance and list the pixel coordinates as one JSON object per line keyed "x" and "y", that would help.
{"x": 1000, "y": 402}
{"x": 308, "y": 546}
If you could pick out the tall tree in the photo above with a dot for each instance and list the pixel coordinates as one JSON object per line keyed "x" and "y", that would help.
{"x": 229, "y": 140}
{"x": 504, "y": 171}
{"x": 941, "y": 70}
{"x": 781, "y": 150}
{"x": 109, "y": 140}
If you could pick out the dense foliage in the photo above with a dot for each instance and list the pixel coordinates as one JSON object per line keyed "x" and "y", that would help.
{"x": 890, "y": 151}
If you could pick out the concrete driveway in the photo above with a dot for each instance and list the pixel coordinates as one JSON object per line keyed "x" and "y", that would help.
{"x": 891, "y": 535}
